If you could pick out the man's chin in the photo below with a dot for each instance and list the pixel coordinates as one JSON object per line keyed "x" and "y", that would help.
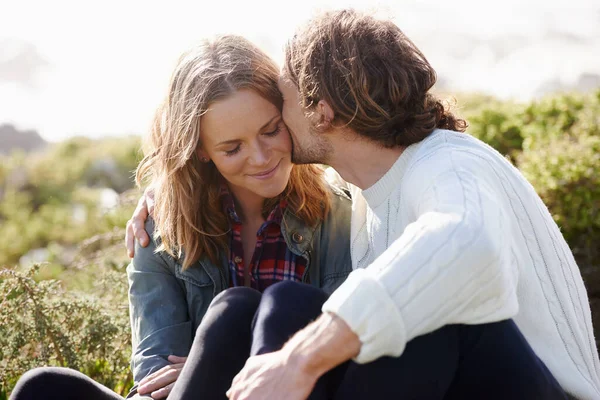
{"x": 306, "y": 160}
{"x": 300, "y": 158}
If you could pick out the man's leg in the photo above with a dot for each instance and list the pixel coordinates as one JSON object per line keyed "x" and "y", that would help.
{"x": 221, "y": 346}
{"x": 488, "y": 361}
{"x": 53, "y": 383}
{"x": 498, "y": 363}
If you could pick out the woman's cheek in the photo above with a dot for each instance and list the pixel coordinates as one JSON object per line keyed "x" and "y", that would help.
{"x": 232, "y": 165}
{"x": 286, "y": 141}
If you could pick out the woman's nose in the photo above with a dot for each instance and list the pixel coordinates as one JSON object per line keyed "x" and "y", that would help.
{"x": 260, "y": 155}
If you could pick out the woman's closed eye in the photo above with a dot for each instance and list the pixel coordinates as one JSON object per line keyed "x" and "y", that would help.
{"x": 233, "y": 151}
{"x": 238, "y": 147}
{"x": 275, "y": 132}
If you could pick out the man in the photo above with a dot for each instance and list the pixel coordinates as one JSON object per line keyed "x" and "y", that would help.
{"x": 444, "y": 230}
{"x": 450, "y": 244}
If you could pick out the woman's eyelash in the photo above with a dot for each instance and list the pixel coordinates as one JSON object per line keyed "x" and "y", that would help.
{"x": 238, "y": 147}
{"x": 275, "y": 132}
{"x": 232, "y": 152}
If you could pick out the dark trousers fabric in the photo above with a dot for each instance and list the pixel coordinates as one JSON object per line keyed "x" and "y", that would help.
{"x": 489, "y": 361}
{"x": 53, "y": 383}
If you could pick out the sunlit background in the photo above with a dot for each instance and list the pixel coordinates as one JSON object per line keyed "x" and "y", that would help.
{"x": 100, "y": 68}
{"x": 87, "y": 75}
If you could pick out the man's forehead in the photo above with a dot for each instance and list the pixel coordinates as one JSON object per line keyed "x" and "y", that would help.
{"x": 282, "y": 78}
{"x": 285, "y": 83}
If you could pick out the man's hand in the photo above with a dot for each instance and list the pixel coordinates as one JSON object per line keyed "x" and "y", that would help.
{"x": 292, "y": 372}
{"x": 272, "y": 376}
{"x": 135, "y": 226}
{"x": 160, "y": 383}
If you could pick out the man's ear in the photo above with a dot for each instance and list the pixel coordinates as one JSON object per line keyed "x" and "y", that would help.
{"x": 324, "y": 114}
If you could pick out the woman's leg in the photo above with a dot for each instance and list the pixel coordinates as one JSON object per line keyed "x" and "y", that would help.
{"x": 53, "y": 383}
{"x": 286, "y": 308}
{"x": 488, "y": 361}
{"x": 221, "y": 346}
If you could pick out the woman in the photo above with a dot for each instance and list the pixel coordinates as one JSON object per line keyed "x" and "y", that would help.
{"x": 231, "y": 211}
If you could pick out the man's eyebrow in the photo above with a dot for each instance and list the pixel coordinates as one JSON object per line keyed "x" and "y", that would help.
{"x": 237, "y": 140}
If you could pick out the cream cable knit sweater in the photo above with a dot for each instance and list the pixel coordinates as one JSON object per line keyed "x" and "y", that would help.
{"x": 453, "y": 233}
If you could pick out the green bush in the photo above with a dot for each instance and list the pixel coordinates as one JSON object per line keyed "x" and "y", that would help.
{"x": 566, "y": 175}
{"x": 41, "y": 324}
{"x": 561, "y": 116}
{"x": 40, "y": 194}
{"x": 499, "y": 124}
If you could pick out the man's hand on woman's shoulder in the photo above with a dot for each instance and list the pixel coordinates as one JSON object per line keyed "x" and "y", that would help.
{"x": 135, "y": 226}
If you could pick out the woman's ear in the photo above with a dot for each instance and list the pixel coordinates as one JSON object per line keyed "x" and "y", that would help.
{"x": 202, "y": 155}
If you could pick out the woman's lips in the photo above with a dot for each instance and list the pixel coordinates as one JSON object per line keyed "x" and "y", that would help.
{"x": 267, "y": 174}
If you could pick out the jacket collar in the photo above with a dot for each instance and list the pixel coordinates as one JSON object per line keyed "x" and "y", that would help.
{"x": 297, "y": 234}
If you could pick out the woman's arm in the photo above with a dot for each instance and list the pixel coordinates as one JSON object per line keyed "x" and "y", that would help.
{"x": 160, "y": 324}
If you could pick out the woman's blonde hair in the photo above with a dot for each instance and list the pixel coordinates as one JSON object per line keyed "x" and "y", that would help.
{"x": 188, "y": 215}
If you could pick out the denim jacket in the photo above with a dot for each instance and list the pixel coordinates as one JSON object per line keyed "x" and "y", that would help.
{"x": 166, "y": 303}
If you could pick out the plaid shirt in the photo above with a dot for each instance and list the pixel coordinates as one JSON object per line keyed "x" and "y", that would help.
{"x": 272, "y": 260}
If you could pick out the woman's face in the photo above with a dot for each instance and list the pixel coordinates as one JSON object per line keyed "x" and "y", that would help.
{"x": 244, "y": 135}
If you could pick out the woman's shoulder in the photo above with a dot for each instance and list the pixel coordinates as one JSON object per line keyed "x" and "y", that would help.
{"x": 151, "y": 256}
{"x": 338, "y": 186}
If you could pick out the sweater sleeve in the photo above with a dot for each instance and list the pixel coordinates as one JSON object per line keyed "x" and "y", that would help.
{"x": 451, "y": 265}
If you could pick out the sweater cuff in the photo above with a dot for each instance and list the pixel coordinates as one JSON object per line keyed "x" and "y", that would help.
{"x": 363, "y": 303}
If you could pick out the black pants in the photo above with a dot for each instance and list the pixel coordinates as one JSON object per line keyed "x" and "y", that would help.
{"x": 490, "y": 361}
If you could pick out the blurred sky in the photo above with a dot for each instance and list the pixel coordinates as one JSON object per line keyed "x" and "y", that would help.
{"x": 100, "y": 68}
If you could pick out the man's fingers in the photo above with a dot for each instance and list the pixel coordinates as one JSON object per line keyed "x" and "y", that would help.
{"x": 141, "y": 210}
{"x": 138, "y": 220}
{"x": 150, "y": 204}
{"x": 129, "y": 240}
{"x": 139, "y": 232}
{"x": 149, "y": 197}
{"x": 235, "y": 380}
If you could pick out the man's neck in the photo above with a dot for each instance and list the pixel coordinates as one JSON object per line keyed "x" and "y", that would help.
{"x": 361, "y": 162}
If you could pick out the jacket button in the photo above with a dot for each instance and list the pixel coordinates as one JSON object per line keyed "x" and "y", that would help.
{"x": 237, "y": 260}
{"x": 297, "y": 238}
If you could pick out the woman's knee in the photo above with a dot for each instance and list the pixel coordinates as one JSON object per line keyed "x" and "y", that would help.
{"x": 37, "y": 383}
{"x": 232, "y": 309}
{"x": 289, "y": 302}
{"x": 237, "y": 299}
{"x": 294, "y": 294}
